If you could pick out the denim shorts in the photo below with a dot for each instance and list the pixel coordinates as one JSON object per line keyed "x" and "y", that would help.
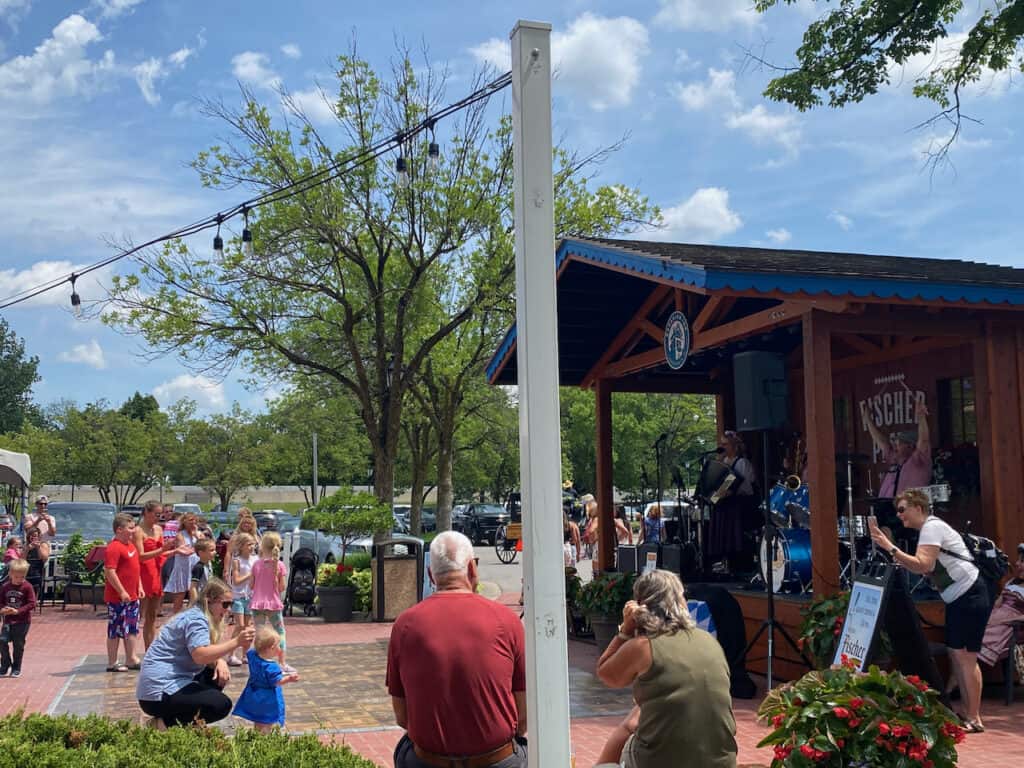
{"x": 240, "y": 605}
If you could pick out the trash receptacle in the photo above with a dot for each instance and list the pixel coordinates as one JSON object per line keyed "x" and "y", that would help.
{"x": 397, "y": 567}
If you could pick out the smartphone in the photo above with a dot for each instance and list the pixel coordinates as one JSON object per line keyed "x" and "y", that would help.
{"x": 872, "y": 521}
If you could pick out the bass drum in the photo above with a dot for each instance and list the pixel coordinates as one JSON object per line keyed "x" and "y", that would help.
{"x": 790, "y": 563}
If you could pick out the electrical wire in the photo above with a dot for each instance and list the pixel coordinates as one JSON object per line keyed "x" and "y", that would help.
{"x": 297, "y": 187}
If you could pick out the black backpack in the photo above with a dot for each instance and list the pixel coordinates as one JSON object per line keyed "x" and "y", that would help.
{"x": 991, "y": 561}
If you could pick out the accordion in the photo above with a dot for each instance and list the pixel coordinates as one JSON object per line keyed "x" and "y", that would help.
{"x": 715, "y": 480}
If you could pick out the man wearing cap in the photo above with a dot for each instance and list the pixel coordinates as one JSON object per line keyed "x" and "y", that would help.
{"x": 41, "y": 520}
{"x": 910, "y": 459}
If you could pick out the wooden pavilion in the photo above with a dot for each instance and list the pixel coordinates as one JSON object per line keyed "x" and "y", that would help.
{"x": 952, "y": 330}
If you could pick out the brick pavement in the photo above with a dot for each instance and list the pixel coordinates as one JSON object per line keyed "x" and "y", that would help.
{"x": 343, "y": 697}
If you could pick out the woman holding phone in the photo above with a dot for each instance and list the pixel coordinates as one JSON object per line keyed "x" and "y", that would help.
{"x": 942, "y": 556}
{"x": 680, "y": 682}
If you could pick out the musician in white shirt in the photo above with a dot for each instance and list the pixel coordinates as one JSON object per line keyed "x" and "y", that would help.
{"x": 731, "y": 515}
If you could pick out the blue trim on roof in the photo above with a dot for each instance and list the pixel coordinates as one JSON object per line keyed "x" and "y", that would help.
{"x": 767, "y": 282}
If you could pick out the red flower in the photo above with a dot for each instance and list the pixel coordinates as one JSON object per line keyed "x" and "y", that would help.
{"x": 841, "y": 712}
{"x": 837, "y": 632}
{"x": 807, "y": 751}
{"x": 854, "y": 722}
{"x": 782, "y": 751}
{"x": 778, "y": 721}
{"x": 884, "y": 729}
{"x": 856, "y": 702}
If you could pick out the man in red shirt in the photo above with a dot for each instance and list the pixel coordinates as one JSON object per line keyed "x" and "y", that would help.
{"x": 122, "y": 593}
{"x": 457, "y": 671}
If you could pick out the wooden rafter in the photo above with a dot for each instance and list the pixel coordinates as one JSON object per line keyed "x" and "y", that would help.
{"x": 634, "y": 363}
{"x": 626, "y": 335}
{"x": 758, "y": 322}
{"x": 896, "y": 352}
{"x": 858, "y": 343}
{"x": 656, "y": 333}
{"x": 717, "y": 306}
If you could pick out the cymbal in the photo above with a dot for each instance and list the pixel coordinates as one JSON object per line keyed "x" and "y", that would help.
{"x": 852, "y": 457}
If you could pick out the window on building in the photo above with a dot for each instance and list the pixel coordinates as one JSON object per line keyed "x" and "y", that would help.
{"x": 958, "y": 423}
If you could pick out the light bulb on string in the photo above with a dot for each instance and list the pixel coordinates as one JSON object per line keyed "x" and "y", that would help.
{"x": 218, "y": 242}
{"x": 247, "y": 247}
{"x": 433, "y": 150}
{"x": 76, "y": 300}
{"x": 403, "y": 172}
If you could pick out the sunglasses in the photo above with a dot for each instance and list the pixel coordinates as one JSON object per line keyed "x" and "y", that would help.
{"x": 225, "y": 604}
{"x": 901, "y": 509}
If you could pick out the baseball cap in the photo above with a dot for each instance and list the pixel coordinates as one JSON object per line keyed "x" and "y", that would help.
{"x": 42, "y": 499}
{"x": 1020, "y": 548}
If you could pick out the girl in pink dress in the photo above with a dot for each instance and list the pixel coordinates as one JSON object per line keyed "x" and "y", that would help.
{"x": 269, "y": 578}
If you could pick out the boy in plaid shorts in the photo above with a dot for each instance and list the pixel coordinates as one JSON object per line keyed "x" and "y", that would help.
{"x": 122, "y": 593}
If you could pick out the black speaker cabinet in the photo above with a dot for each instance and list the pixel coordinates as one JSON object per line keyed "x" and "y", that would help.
{"x": 761, "y": 392}
{"x": 671, "y": 558}
{"x": 626, "y": 559}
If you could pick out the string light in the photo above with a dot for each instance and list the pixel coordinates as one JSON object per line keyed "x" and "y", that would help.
{"x": 218, "y": 241}
{"x": 433, "y": 151}
{"x": 76, "y": 300}
{"x": 247, "y": 248}
{"x": 299, "y": 186}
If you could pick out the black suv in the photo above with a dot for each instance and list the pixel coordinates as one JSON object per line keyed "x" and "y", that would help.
{"x": 482, "y": 522}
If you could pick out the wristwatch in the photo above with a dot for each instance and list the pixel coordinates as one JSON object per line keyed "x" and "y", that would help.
{"x": 893, "y": 550}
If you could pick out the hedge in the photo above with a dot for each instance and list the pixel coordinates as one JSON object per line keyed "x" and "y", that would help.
{"x": 67, "y": 741}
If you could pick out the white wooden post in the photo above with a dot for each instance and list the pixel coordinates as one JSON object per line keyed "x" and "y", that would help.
{"x": 547, "y": 679}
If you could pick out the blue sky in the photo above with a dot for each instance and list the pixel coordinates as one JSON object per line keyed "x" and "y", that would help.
{"x": 99, "y": 121}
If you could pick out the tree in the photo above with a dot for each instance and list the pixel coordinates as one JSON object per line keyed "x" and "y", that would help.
{"x": 224, "y": 453}
{"x": 123, "y": 457}
{"x": 359, "y": 279}
{"x": 49, "y": 460}
{"x": 140, "y": 407}
{"x": 851, "y": 51}
{"x": 487, "y": 450}
{"x": 349, "y": 515}
{"x": 18, "y": 375}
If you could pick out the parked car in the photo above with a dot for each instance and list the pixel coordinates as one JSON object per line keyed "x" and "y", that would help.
{"x": 188, "y": 509}
{"x": 287, "y": 523}
{"x": 220, "y": 522}
{"x": 459, "y": 517}
{"x": 483, "y": 522}
{"x": 266, "y": 520}
{"x": 233, "y": 507}
{"x": 92, "y": 519}
{"x": 365, "y": 544}
{"x": 428, "y": 520}
{"x": 326, "y": 546}
{"x": 135, "y": 510}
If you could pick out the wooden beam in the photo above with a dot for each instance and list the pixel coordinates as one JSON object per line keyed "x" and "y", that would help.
{"x": 908, "y": 323}
{"x": 715, "y": 307}
{"x": 821, "y": 451}
{"x": 605, "y": 489}
{"x": 857, "y": 342}
{"x": 656, "y": 333}
{"x": 650, "y": 359}
{"x": 680, "y": 299}
{"x": 623, "y": 337}
{"x": 669, "y": 383}
{"x": 897, "y": 352}
{"x": 759, "y": 322}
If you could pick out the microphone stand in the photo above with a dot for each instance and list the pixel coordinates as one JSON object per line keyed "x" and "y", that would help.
{"x": 769, "y": 548}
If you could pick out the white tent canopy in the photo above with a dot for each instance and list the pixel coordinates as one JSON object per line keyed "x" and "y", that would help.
{"x": 15, "y": 469}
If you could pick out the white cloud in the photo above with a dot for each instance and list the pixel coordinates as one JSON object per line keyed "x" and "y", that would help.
{"x": 312, "y": 103}
{"x": 90, "y": 354}
{"x": 146, "y": 75}
{"x": 494, "y": 53}
{"x": 704, "y": 217}
{"x": 253, "y": 68}
{"x": 111, "y": 9}
{"x": 720, "y": 89}
{"x": 59, "y": 65}
{"x": 291, "y": 50}
{"x": 596, "y": 57}
{"x": 779, "y": 236}
{"x": 684, "y": 61}
{"x": 12, "y": 10}
{"x": 17, "y": 281}
{"x": 600, "y": 57}
{"x": 845, "y": 222}
{"x": 765, "y": 127}
{"x": 927, "y": 146}
{"x": 208, "y": 394}
{"x": 702, "y": 14}
{"x": 180, "y": 56}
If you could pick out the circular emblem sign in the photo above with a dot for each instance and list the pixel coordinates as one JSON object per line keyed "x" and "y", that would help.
{"x": 677, "y": 340}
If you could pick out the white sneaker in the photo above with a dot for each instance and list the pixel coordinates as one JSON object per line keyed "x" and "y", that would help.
{"x": 234, "y": 661}
{"x": 288, "y": 669}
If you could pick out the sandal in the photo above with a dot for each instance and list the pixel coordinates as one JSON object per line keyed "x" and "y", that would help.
{"x": 134, "y": 667}
{"x": 117, "y": 668}
{"x": 972, "y": 726}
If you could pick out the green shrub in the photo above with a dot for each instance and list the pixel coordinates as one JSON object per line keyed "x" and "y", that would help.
{"x": 358, "y": 560}
{"x": 362, "y": 580}
{"x": 97, "y": 742}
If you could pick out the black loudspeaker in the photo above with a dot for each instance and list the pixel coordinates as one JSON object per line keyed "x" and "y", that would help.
{"x": 761, "y": 392}
{"x": 671, "y": 558}
{"x": 626, "y": 560}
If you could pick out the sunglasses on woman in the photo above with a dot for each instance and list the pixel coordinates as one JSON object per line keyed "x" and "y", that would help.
{"x": 225, "y": 604}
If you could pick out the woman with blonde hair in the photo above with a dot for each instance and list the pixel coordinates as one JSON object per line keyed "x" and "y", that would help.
{"x": 183, "y": 672}
{"x": 152, "y": 547}
{"x": 680, "y": 682}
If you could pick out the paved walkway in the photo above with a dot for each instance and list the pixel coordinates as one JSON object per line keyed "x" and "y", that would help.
{"x": 342, "y": 697}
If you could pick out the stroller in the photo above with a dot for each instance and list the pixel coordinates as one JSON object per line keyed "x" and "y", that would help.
{"x": 302, "y": 581}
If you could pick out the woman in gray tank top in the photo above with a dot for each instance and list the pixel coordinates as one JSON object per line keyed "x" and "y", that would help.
{"x": 680, "y": 682}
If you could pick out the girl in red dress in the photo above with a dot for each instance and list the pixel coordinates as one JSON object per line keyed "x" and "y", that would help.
{"x": 149, "y": 540}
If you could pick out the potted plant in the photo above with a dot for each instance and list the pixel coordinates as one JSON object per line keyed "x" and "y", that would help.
{"x": 336, "y": 591}
{"x": 601, "y": 600}
{"x": 82, "y": 585}
{"x": 839, "y": 717}
{"x": 347, "y": 515}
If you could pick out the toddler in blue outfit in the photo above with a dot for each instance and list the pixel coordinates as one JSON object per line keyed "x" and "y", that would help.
{"x": 262, "y": 701}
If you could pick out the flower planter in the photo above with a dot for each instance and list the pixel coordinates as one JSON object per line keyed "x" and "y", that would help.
{"x": 604, "y": 628}
{"x": 336, "y": 603}
{"x": 82, "y": 593}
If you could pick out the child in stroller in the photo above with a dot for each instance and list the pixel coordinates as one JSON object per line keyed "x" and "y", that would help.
{"x": 302, "y": 581}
